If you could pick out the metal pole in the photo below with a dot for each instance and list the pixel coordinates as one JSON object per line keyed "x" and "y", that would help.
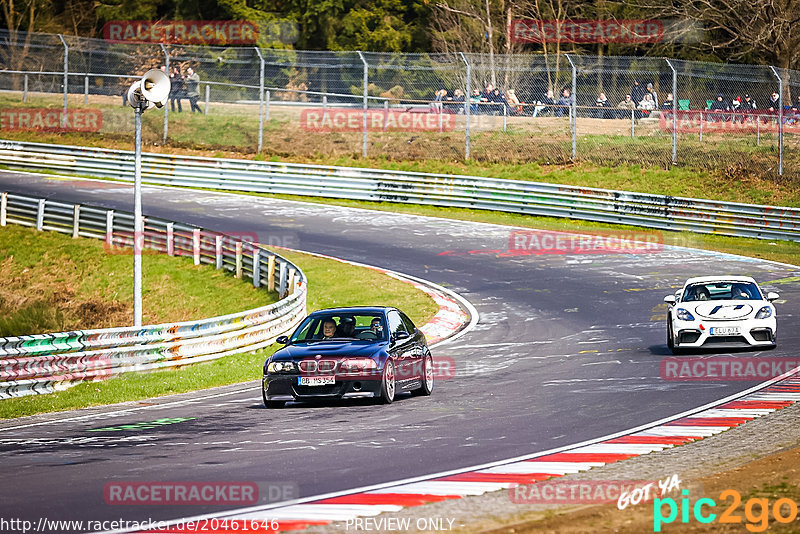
{"x": 324, "y": 108}
{"x": 260, "y": 100}
{"x": 674, "y": 112}
{"x": 573, "y": 111}
{"x": 138, "y": 223}
{"x": 780, "y": 121}
{"x": 633, "y": 123}
{"x": 86, "y": 90}
{"x": 505, "y": 117}
{"x": 166, "y": 108}
{"x": 266, "y": 103}
{"x": 385, "y": 114}
{"x": 25, "y": 90}
{"x": 758, "y": 130}
{"x": 366, "y": 103}
{"x": 66, "y": 80}
{"x": 701, "y": 125}
{"x": 208, "y": 91}
{"x": 466, "y": 105}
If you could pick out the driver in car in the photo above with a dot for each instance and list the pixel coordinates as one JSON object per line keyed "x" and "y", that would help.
{"x": 376, "y": 327}
{"x": 328, "y": 329}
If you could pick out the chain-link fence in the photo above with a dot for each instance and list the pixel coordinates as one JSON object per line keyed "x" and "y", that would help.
{"x": 495, "y": 108}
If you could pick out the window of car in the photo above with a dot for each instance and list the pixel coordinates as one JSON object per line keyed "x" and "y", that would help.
{"x": 722, "y": 291}
{"x": 409, "y": 326}
{"x": 395, "y": 322}
{"x": 349, "y": 326}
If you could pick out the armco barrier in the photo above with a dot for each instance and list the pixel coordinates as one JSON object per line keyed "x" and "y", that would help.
{"x": 49, "y": 362}
{"x": 532, "y": 198}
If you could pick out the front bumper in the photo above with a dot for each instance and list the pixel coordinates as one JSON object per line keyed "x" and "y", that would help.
{"x": 753, "y": 333}
{"x": 285, "y": 387}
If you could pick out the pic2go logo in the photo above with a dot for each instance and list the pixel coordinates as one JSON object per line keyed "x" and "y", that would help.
{"x": 756, "y": 511}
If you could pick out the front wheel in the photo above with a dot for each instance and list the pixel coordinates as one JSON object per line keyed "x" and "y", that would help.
{"x": 270, "y": 403}
{"x": 671, "y": 338}
{"x": 388, "y": 384}
{"x": 427, "y": 377}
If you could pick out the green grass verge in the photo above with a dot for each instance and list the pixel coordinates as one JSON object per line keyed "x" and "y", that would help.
{"x": 329, "y": 285}
{"x": 51, "y": 282}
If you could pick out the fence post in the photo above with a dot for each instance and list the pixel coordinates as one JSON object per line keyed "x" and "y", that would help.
{"x": 505, "y": 116}
{"x": 86, "y": 90}
{"x": 76, "y": 221}
{"x": 196, "y": 245}
{"x": 25, "y": 89}
{"x": 366, "y": 103}
{"x": 3, "y": 208}
{"x": 282, "y": 281}
{"x": 271, "y": 272}
{"x": 110, "y": 228}
{"x": 208, "y": 91}
{"x": 266, "y": 103}
{"x": 166, "y": 107}
{"x": 260, "y": 99}
{"x": 780, "y": 120}
{"x": 218, "y": 251}
{"x": 66, "y": 80}
{"x": 674, "y": 112}
{"x": 385, "y": 115}
{"x": 324, "y": 108}
{"x": 466, "y": 105}
{"x": 40, "y": 215}
{"x": 292, "y": 275}
{"x": 170, "y": 239}
{"x": 238, "y": 259}
{"x": 256, "y": 267}
{"x": 758, "y": 130}
{"x": 633, "y": 123}
{"x": 701, "y": 125}
{"x": 573, "y": 111}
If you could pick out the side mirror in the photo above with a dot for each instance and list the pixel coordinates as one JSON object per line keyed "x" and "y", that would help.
{"x": 401, "y": 334}
{"x": 772, "y": 296}
{"x": 283, "y": 340}
{"x": 670, "y": 299}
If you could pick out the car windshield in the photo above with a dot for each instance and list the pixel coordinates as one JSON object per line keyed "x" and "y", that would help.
{"x": 722, "y": 291}
{"x": 341, "y": 326}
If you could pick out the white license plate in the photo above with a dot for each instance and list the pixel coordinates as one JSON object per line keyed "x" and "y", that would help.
{"x": 316, "y": 380}
{"x": 725, "y": 330}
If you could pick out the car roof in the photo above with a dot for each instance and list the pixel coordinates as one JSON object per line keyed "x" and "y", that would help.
{"x": 701, "y": 279}
{"x": 354, "y": 310}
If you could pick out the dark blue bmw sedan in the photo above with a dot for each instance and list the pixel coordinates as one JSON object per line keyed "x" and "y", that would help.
{"x": 360, "y": 352}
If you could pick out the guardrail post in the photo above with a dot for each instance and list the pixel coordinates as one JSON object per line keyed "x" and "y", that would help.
{"x": 466, "y": 105}
{"x": 238, "y": 259}
{"x": 3, "y": 208}
{"x": 196, "y": 245}
{"x": 170, "y": 239}
{"x": 76, "y": 221}
{"x": 260, "y": 99}
{"x": 266, "y": 104}
{"x": 256, "y": 266}
{"x": 271, "y": 273}
{"x": 40, "y": 215}
{"x": 25, "y": 89}
{"x": 218, "y": 251}
{"x": 110, "y": 228}
{"x": 208, "y": 92}
{"x": 86, "y": 90}
{"x": 366, "y": 103}
{"x": 292, "y": 275}
{"x": 282, "y": 281}
{"x": 573, "y": 111}
{"x": 780, "y": 120}
{"x": 674, "y": 112}
{"x": 66, "y": 80}
{"x": 166, "y": 108}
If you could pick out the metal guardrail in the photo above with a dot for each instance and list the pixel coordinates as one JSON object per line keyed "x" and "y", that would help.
{"x": 514, "y": 196}
{"x": 49, "y": 362}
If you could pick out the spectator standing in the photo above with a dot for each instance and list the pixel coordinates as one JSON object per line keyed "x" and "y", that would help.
{"x": 637, "y": 92}
{"x": 176, "y": 89}
{"x": 192, "y": 84}
{"x": 458, "y": 101}
{"x": 652, "y": 93}
{"x": 440, "y": 96}
{"x": 474, "y": 101}
{"x": 564, "y": 103}
{"x": 498, "y": 101}
{"x": 515, "y": 106}
{"x": 602, "y": 102}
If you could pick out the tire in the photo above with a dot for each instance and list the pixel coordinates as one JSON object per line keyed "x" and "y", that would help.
{"x": 427, "y": 378}
{"x": 671, "y": 338}
{"x": 268, "y": 403}
{"x": 388, "y": 384}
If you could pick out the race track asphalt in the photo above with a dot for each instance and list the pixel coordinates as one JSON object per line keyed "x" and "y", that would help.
{"x": 567, "y": 349}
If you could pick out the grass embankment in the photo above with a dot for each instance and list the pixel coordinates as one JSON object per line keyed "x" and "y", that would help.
{"x": 328, "y": 286}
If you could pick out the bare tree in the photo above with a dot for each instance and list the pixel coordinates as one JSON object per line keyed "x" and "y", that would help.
{"x": 20, "y": 17}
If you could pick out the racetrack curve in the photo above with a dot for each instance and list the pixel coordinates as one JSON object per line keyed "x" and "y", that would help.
{"x": 568, "y": 349}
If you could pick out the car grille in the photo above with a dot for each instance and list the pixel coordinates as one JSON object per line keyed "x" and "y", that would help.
{"x": 334, "y": 389}
{"x": 317, "y": 366}
{"x": 761, "y": 335}
{"x": 689, "y": 337}
{"x": 725, "y": 339}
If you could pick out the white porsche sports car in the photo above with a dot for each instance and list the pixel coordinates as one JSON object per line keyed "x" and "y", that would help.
{"x": 721, "y": 311}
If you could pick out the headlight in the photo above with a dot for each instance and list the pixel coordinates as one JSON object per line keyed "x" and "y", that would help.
{"x": 684, "y": 315}
{"x": 357, "y": 365}
{"x": 764, "y": 312}
{"x": 281, "y": 367}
